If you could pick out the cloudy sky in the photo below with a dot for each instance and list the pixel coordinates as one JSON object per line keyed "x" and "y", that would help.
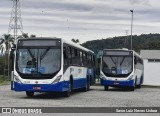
{"x": 84, "y": 19}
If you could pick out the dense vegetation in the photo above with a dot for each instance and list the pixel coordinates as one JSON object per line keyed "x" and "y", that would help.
{"x": 144, "y": 41}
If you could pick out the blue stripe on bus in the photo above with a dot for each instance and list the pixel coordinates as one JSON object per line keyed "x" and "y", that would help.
{"x": 57, "y": 87}
{"x": 79, "y": 82}
{"x": 117, "y": 83}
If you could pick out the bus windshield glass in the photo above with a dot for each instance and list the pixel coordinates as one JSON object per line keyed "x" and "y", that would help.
{"x": 44, "y": 60}
{"x": 117, "y": 63}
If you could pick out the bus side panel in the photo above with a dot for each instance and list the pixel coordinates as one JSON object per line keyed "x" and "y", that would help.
{"x": 139, "y": 69}
{"x": 139, "y": 75}
{"x": 79, "y": 77}
{"x": 79, "y": 83}
{"x": 78, "y": 74}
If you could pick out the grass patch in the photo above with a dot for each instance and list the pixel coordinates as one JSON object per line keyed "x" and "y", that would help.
{"x": 4, "y": 80}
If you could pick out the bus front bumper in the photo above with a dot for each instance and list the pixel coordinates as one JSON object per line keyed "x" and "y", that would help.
{"x": 57, "y": 87}
{"x": 129, "y": 83}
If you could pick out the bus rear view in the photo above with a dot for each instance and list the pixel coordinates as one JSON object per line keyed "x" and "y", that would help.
{"x": 119, "y": 69}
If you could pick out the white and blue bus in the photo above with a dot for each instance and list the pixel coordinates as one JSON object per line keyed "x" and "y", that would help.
{"x": 51, "y": 65}
{"x": 121, "y": 68}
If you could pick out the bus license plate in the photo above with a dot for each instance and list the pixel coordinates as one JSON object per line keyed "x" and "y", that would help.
{"x": 116, "y": 83}
{"x": 36, "y": 88}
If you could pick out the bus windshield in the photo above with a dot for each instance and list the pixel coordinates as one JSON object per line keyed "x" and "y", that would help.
{"x": 44, "y": 60}
{"x": 117, "y": 65}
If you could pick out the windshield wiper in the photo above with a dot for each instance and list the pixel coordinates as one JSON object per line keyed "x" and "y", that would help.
{"x": 30, "y": 53}
{"x": 113, "y": 61}
{"x": 43, "y": 55}
{"x": 122, "y": 60}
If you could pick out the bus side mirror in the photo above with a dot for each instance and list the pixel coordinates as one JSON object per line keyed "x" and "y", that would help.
{"x": 12, "y": 52}
{"x": 12, "y": 57}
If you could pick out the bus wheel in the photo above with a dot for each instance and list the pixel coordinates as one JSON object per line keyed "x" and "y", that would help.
{"x": 87, "y": 87}
{"x": 88, "y": 84}
{"x": 132, "y": 88}
{"x": 139, "y": 86}
{"x": 106, "y": 88}
{"x": 29, "y": 94}
{"x": 68, "y": 93}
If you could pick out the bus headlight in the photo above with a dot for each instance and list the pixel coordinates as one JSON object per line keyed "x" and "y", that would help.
{"x": 57, "y": 79}
{"x": 103, "y": 78}
{"x": 130, "y": 78}
{"x": 16, "y": 79}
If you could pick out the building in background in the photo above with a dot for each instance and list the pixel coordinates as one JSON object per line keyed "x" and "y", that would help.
{"x": 151, "y": 60}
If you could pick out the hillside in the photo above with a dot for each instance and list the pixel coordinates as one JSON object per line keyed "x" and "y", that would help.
{"x": 144, "y": 41}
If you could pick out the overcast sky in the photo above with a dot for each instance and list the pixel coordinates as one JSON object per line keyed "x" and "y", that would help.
{"x": 84, "y": 19}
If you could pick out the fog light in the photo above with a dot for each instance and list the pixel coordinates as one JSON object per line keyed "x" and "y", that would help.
{"x": 130, "y": 78}
{"x": 16, "y": 79}
{"x": 103, "y": 78}
{"x": 57, "y": 79}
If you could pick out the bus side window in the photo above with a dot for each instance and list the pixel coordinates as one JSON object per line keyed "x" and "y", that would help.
{"x": 69, "y": 53}
{"x": 65, "y": 55}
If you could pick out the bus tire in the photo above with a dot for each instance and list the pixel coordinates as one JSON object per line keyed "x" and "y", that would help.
{"x": 132, "y": 88}
{"x": 106, "y": 88}
{"x": 135, "y": 84}
{"x": 29, "y": 94}
{"x": 87, "y": 86}
{"x": 139, "y": 86}
{"x": 68, "y": 93}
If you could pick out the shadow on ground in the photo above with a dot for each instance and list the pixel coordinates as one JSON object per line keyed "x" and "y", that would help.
{"x": 55, "y": 95}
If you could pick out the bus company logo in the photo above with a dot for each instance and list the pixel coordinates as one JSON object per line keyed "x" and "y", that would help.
{"x": 6, "y": 110}
{"x": 36, "y": 82}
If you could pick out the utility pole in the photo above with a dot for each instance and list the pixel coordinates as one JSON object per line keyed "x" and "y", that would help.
{"x": 131, "y": 28}
{"x": 126, "y": 40}
{"x": 15, "y": 25}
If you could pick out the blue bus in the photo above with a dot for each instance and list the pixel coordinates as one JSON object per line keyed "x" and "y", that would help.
{"x": 121, "y": 68}
{"x": 51, "y": 65}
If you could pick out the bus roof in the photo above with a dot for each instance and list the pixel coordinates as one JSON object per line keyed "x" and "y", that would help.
{"x": 124, "y": 50}
{"x": 118, "y": 49}
{"x": 77, "y": 45}
{"x": 63, "y": 40}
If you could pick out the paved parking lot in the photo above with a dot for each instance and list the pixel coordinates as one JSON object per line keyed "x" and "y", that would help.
{"x": 96, "y": 97}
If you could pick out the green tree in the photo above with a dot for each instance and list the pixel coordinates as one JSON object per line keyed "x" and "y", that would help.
{"x": 75, "y": 40}
{"x": 24, "y": 35}
{"x": 32, "y": 36}
{"x": 6, "y": 43}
